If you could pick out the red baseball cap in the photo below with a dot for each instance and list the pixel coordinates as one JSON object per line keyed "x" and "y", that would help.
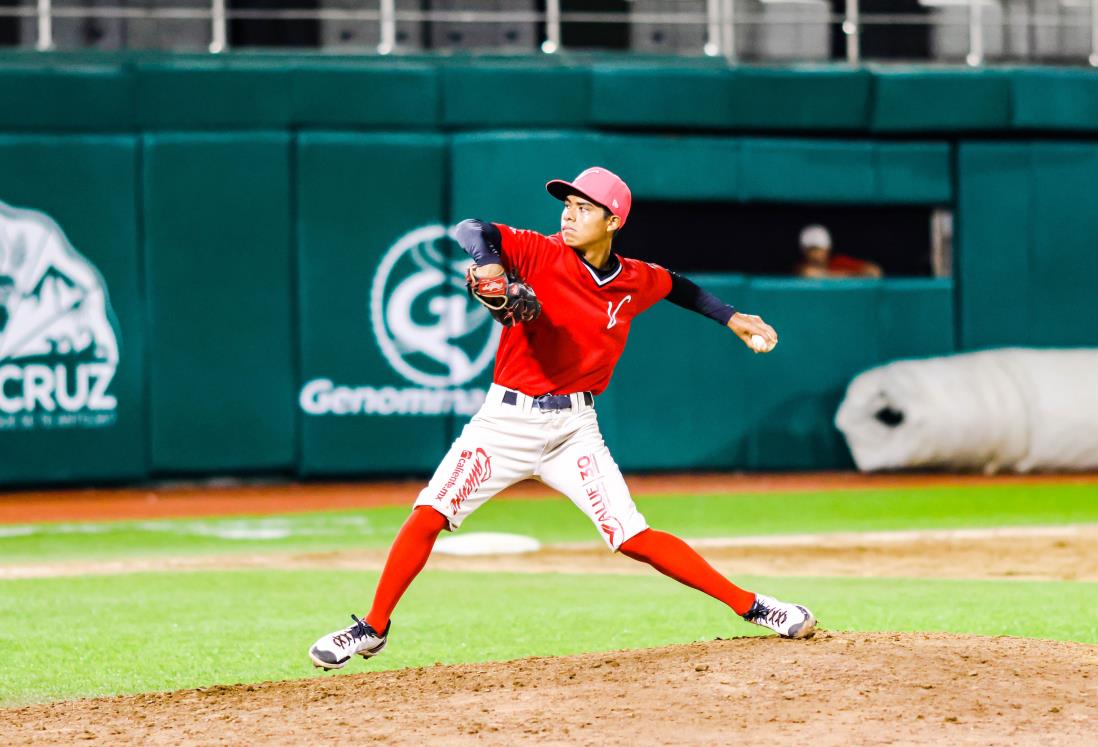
{"x": 599, "y": 185}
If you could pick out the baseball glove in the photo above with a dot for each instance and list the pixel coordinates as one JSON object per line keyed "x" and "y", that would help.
{"x": 508, "y": 299}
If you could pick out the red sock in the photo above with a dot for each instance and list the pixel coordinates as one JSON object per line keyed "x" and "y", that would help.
{"x": 407, "y": 556}
{"x": 672, "y": 557}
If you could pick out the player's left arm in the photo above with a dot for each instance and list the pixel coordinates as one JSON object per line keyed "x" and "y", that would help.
{"x": 488, "y": 281}
{"x": 482, "y": 241}
{"x": 689, "y": 295}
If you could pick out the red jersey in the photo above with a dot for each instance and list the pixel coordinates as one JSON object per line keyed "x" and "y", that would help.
{"x": 579, "y": 337}
{"x": 840, "y": 263}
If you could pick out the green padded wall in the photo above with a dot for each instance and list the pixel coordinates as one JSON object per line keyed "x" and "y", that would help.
{"x": 70, "y": 275}
{"x": 195, "y": 239}
{"x": 712, "y": 96}
{"x": 992, "y": 255}
{"x": 913, "y": 173}
{"x": 677, "y": 395}
{"x": 212, "y": 94}
{"x": 675, "y": 168}
{"x": 1026, "y": 239}
{"x": 84, "y": 98}
{"x": 694, "y": 168}
{"x": 661, "y": 96}
{"x": 521, "y": 165}
{"x": 792, "y": 393}
{"x": 720, "y": 406}
{"x": 1052, "y": 99}
{"x": 801, "y": 97}
{"x": 357, "y": 95}
{"x": 498, "y": 94}
{"x": 915, "y": 318}
{"x": 807, "y": 170}
{"x": 844, "y": 171}
{"x": 95, "y": 92}
{"x": 1064, "y": 258}
{"x": 218, "y": 233}
{"x": 922, "y": 100}
{"x": 688, "y": 168}
{"x": 374, "y": 303}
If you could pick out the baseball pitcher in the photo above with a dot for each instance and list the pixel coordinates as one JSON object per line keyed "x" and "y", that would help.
{"x": 566, "y": 302}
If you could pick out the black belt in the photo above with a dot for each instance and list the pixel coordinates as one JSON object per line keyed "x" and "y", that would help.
{"x": 549, "y": 401}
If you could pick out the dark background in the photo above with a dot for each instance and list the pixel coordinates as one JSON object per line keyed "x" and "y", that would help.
{"x": 763, "y": 238}
{"x": 273, "y": 33}
{"x": 9, "y": 27}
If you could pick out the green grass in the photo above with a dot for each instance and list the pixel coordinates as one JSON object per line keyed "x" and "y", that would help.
{"x": 558, "y": 521}
{"x": 68, "y": 637}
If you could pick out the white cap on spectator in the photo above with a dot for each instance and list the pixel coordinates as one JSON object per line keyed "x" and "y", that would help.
{"x": 815, "y": 235}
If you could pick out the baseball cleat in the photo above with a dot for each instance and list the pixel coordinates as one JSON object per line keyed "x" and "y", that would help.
{"x": 334, "y": 650}
{"x": 787, "y": 620}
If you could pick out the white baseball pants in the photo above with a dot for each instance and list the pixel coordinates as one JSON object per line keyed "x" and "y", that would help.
{"x": 506, "y": 443}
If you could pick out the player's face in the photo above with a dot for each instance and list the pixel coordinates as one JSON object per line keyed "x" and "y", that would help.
{"x": 583, "y": 223}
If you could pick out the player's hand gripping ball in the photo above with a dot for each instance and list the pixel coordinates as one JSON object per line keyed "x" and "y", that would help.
{"x": 507, "y": 298}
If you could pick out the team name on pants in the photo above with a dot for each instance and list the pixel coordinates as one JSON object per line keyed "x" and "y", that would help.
{"x": 594, "y": 488}
{"x": 478, "y": 473}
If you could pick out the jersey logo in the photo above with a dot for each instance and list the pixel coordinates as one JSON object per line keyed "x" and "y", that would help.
{"x": 612, "y": 312}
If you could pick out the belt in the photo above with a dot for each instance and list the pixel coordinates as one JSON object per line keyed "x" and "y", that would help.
{"x": 548, "y": 401}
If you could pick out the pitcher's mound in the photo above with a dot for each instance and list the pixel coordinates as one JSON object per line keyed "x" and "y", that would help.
{"x": 838, "y": 688}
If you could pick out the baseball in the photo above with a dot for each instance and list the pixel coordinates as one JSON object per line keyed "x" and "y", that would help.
{"x": 758, "y": 344}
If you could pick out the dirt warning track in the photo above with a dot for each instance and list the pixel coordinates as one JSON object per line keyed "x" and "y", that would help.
{"x": 838, "y": 688}
{"x": 223, "y": 498}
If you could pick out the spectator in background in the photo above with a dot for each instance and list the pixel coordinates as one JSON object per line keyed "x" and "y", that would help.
{"x": 817, "y": 261}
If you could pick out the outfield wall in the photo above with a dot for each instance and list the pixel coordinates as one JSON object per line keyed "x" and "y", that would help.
{"x": 270, "y": 233}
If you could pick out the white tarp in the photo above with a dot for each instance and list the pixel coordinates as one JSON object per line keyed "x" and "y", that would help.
{"x": 1013, "y": 409}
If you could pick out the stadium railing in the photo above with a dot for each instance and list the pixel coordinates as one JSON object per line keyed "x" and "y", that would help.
{"x": 978, "y": 32}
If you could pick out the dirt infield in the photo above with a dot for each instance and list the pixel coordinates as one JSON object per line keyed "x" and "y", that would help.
{"x": 839, "y": 688}
{"x": 227, "y": 497}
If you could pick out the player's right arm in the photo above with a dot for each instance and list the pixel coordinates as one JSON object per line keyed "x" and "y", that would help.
{"x": 689, "y": 295}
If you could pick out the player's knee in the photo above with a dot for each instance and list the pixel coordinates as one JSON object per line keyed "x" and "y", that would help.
{"x": 634, "y": 546}
{"x": 428, "y": 520}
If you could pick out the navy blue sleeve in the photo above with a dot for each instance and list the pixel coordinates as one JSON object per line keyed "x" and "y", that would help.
{"x": 687, "y": 294}
{"x": 481, "y": 240}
